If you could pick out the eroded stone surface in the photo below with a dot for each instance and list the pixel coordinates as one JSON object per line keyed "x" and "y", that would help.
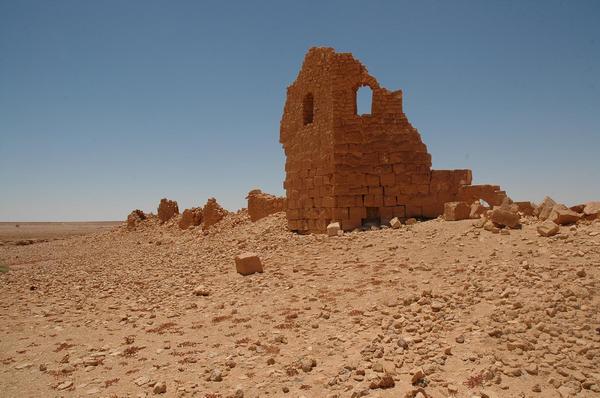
{"x": 262, "y": 204}
{"x": 134, "y": 218}
{"x": 167, "y": 209}
{"x": 212, "y": 212}
{"x": 248, "y": 263}
{"x": 190, "y": 217}
{"x": 562, "y": 215}
{"x": 592, "y": 210}
{"x": 548, "y": 228}
{"x": 455, "y": 211}
{"x": 545, "y": 208}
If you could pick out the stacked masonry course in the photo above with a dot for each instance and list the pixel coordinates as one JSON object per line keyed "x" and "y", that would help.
{"x": 354, "y": 169}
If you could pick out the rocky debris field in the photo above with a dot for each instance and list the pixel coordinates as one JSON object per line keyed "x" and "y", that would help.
{"x": 434, "y": 309}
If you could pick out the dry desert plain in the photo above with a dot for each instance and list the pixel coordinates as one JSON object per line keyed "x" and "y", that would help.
{"x": 435, "y": 309}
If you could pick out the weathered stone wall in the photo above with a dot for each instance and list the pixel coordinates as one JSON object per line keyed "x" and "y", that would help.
{"x": 190, "y": 217}
{"x": 212, "y": 213}
{"x": 134, "y": 218}
{"x": 353, "y": 168}
{"x": 262, "y": 204}
{"x": 167, "y": 209}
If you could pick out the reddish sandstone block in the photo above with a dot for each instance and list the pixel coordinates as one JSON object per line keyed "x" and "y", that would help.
{"x": 389, "y": 200}
{"x": 248, "y": 263}
{"x": 388, "y": 179}
{"x": 375, "y": 191}
{"x": 261, "y": 204}
{"x": 351, "y": 224}
{"x": 340, "y": 213}
{"x": 414, "y": 211}
{"x": 400, "y": 212}
{"x": 167, "y": 209}
{"x": 212, "y": 212}
{"x": 562, "y": 215}
{"x": 455, "y": 211}
{"x": 190, "y": 217}
{"x": 505, "y": 216}
{"x": 373, "y": 200}
{"x": 357, "y": 213}
{"x": 591, "y": 210}
{"x": 372, "y": 180}
{"x": 134, "y": 218}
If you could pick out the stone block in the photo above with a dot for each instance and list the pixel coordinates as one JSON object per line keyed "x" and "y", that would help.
{"x": 548, "y": 228}
{"x": 248, "y": 263}
{"x": 562, "y": 215}
{"x": 592, "y": 210}
{"x": 333, "y": 229}
{"x": 504, "y": 216}
{"x": 455, "y": 211}
{"x": 545, "y": 208}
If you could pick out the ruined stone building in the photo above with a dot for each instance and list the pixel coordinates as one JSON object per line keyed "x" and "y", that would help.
{"x": 352, "y": 168}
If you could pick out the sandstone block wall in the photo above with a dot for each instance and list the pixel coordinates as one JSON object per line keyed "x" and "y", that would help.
{"x": 262, "y": 204}
{"x": 212, "y": 213}
{"x": 351, "y": 168}
{"x": 167, "y": 209}
{"x": 190, "y": 217}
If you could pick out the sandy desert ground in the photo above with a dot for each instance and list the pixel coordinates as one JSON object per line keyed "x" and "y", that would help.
{"x": 25, "y": 233}
{"x": 436, "y": 309}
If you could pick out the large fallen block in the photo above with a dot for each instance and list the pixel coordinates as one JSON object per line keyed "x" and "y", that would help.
{"x": 248, "y": 263}
{"x": 562, "y": 215}
{"x": 545, "y": 208}
{"x": 333, "y": 229}
{"x": 505, "y": 216}
{"x": 456, "y": 211}
{"x": 547, "y": 229}
{"x": 592, "y": 210}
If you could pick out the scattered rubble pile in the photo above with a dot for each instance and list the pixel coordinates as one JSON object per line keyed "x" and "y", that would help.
{"x": 168, "y": 214}
{"x": 134, "y": 218}
{"x": 262, "y": 204}
{"x": 433, "y": 309}
{"x": 510, "y": 215}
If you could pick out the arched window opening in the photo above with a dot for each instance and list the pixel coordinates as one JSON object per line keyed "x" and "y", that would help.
{"x": 308, "y": 109}
{"x": 364, "y": 101}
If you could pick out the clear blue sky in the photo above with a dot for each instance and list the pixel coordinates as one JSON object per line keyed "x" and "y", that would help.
{"x": 107, "y": 106}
